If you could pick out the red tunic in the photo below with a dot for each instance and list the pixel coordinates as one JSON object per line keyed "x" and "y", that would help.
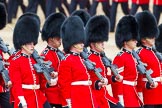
{"x": 102, "y": 95}
{"x": 157, "y": 2}
{"x": 21, "y": 72}
{"x": 72, "y": 70}
{"x": 139, "y": 2}
{"x": 52, "y": 93}
{"x": 11, "y": 89}
{"x": 127, "y": 68}
{"x": 148, "y": 56}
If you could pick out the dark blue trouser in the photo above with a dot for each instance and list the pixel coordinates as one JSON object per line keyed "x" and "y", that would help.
{"x": 157, "y": 10}
{"x": 51, "y": 6}
{"x": 135, "y": 7}
{"x": 105, "y": 7}
{"x": 73, "y": 5}
{"x": 125, "y": 9}
{"x": 152, "y": 106}
{"x": 4, "y": 100}
{"x": 33, "y": 5}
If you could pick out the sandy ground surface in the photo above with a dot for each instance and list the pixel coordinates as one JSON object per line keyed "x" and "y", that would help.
{"x": 110, "y": 47}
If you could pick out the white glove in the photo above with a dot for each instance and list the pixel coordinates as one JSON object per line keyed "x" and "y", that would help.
{"x": 54, "y": 74}
{"x": 53, "y": 82}
{"x": 140, "y": 94}
{"x": 105, "y": 81}
{"x": 121, "y": 100}
{"x": 119, "y": 78}
{"x": 9, "y": 84}
{"x": 23, "y": 101}
{"x": 69, "y": 103}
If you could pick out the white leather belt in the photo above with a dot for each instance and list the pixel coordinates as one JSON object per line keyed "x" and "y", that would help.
{"x": 132, "y": 83}
{"x": 157, "y": 79}
{"x": 33, "y": 87}
{"x": 82, "y": 83}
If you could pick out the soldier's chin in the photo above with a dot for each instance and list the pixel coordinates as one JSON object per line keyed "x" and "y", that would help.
{"x": 80, "y": 49}
{"x": 31, "y": 51}
{"x": 100, "y": 49}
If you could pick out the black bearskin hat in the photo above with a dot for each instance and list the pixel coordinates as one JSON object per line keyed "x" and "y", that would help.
{"x": 83, "y": 14}
{"x": 127, "y": 29}
{"x": 26, "y": 30}
{"x": 72, "y": 32}
{"x": 52, "y": 26}
{"x": 3, "y": 16}
{"x": 158, "y": 41}
{"x": 97, "y": 29}
{"x": 147, "y": 25}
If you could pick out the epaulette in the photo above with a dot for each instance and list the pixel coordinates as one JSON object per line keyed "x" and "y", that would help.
{"x": 120, "y": 53}
{"x": 45, "y": 51}
{"x": 138, "y": 51}
{"x": 16, "y": 57}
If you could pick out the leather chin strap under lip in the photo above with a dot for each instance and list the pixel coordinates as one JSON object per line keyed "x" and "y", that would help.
{"x": 77, "y": 47}
{"x": 99, "y": 48}
{"x": 25, "y": 48}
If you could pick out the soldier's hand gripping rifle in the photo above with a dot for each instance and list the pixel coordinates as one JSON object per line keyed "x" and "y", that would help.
{"x": 107, "y": 62}
{"x": 43, "y": 67}
{"x": 4, "y": 47}
{"x": 158, "y": 54}
{"x": 4, "y": 73}
{"x": 90, "y": 65}
{"x": 142, "y": 69}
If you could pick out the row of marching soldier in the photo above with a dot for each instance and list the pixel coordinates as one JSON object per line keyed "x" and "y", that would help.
{"x": 76, "y": 77}
{"x": 109, "y": 7}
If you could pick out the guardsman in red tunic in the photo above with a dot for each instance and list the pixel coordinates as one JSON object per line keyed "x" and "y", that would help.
{"x": 51, "y": 34}
{"x": 73, "y": 77}
{"x": 148, "y": 32}
{"x": 157, "y": 9}
{"x": 125, "y": 89}
{"x": 144, "y": 4}
{"x": 97, "y": 34}
{"x": 125, "y": 9}
{"x": 4, "y": 89}
{"x": 25, "y": 79}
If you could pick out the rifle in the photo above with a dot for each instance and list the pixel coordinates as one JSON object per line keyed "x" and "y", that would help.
{"x": 60, "y": 54}
{"x": 90, "y": 65}
{"x": 141, "y": 67}
{"x": 42, "y": 67}
{"x": 4, "y": 47}
{"x": 4, "y": 72}
{"x": 158, "y": 54}
{"x": 107, "y": 62}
